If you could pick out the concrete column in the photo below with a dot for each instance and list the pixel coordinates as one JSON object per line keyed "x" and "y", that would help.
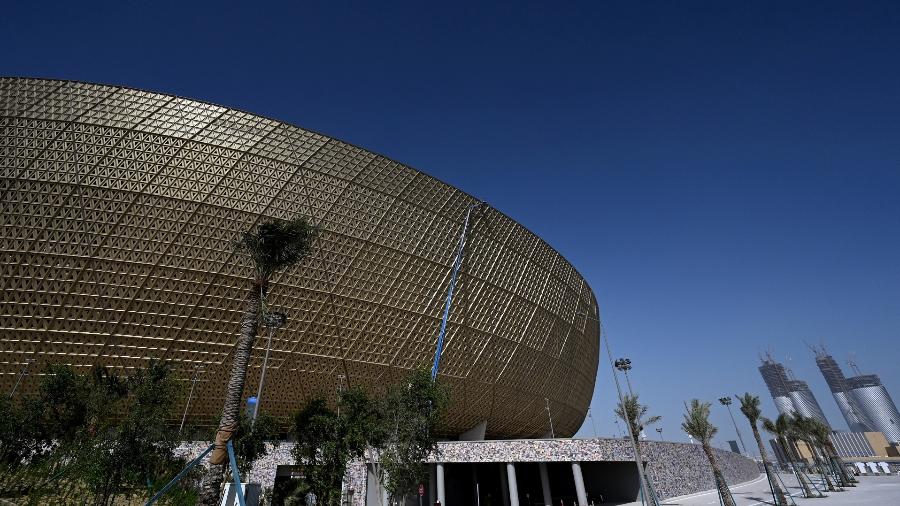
{"x": 579, "y": 484}
{"x": 513, "y": 485}
{"x": 441, "y": 493}
{"x": 545, "y": 483}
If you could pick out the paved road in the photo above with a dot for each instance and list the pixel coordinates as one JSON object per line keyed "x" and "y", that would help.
{"x": 871, "y": 491}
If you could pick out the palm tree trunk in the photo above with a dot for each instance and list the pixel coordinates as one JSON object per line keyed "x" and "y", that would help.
{"x": 721, "y": 484}
{"x": 212, "y": 480}
{"x": 836, "y": 462}
{"x": 828, "y": 483}
{"x": 788, "y": 448}
{"x": 780, "y": 500}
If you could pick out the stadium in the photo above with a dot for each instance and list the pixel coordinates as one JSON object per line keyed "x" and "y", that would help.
{"x": 120, "y": 208}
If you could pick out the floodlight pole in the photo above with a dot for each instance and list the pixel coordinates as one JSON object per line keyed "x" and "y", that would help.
{"x": 593, "y": 425}
{"x": 659, "y": 429}
{"x": 638, "y": 460}
{"x": 22, "y": 373}
{"x": 190, "y": 396}
{"x": 726, "y": 401}
{"x": 550, "y": 417}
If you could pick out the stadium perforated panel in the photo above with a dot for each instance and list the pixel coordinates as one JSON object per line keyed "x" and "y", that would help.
{"x": 119, "y": 208}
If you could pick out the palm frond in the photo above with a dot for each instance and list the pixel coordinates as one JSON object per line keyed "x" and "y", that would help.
{"x": 277, "y": 244}
{"x": 750, "y": 406}
{"x": 696, "y": 421}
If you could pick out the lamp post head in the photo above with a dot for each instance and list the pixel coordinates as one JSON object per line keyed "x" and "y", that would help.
{"x": 275, "y": 320}
{"x": 725, "y": 401}
{"x": 623, "y": 364}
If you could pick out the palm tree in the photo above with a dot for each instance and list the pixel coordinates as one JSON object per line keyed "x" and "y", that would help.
{"x": 804, "y": 430}
{"x": 750, "y": 408}
{"x": 632, "y": 412}
{"x": 783, "y": 432}
{"x": 272, "y": 246}
{"x": 696, "y": 423}
{"x": 821, "y": 433}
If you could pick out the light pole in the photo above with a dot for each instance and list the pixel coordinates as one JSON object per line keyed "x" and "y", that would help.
{"x": 638, "y": 460}
{"x": 659, "y": 429}
{"x": 726, "y": 401}
{"x": 593, "y": 425}
{"x": 273, "y": 321}
{"x": 624, "y": 365}
{"x": 550, "y": 417}
{"x": 197, "y": 371}
{"x": 22, "y": 373}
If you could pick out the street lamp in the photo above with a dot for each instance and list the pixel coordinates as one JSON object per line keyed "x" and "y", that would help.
{"x": 22, "y": 373}
{"x": 593, "y": 425}
{"x": 273, "y": 320}
{"x": 197, "y": 371}
{"x": 638, "y": 460}
{"x": 550, "y": 417}
{"x": 726, "y": 401}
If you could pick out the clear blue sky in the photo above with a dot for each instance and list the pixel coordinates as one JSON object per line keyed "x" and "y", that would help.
{"x": 725, "y": 174}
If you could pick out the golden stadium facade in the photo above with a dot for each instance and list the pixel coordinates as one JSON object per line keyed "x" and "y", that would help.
{"x": 119, "y": 208}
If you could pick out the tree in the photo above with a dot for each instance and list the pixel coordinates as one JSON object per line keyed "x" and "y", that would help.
{"x": 751, "y": 410}
{"x": 124, "y": 455}
{"x": 250, "y": 440}
{"x": 272, "y": 246}
{"x": 94, "y": 438}
{"x": 410, "y": 412}
{"x": 632, "y": 412}
{"x": 821, "y": 435}
{"x": 804, "y": 429}
{"x": 782, "y": 430}
{"x": 328, "y": 440}
{"x": 697, "y": 424}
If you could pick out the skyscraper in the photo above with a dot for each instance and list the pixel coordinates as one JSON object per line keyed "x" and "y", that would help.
{"x": 865, "y": 403}
{"x": 791, "y": 396}
{"x": 837, "y": 383}
{"x": 775, "y": 376}
{"x": 876, "y": 404}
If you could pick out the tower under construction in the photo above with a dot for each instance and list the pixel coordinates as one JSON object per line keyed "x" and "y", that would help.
{"x": 791, "y": 396}
{"x": 863, "y": 400}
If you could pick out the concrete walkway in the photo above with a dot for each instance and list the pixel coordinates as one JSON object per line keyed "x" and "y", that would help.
{"x": 871, "y": 490}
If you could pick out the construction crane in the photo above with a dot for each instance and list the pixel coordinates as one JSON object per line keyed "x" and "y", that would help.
{"x": 454, "y": 275}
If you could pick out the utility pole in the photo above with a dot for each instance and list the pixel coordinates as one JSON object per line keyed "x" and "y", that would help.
{"x": 726, "y": 401}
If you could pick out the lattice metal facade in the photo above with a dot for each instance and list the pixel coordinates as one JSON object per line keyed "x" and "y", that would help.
{"x": 874, "y": 401}
{"x": 118, "y": 211}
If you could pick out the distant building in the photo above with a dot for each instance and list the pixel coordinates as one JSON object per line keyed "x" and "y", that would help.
{"x": 876, "y": 404}
{"x": 837, "y": 383}
{"x": 775, "y": 376}
{"x": 865, "y": 403}
{"x": 791, "y": 396}
{"x": 734, "y": 446}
